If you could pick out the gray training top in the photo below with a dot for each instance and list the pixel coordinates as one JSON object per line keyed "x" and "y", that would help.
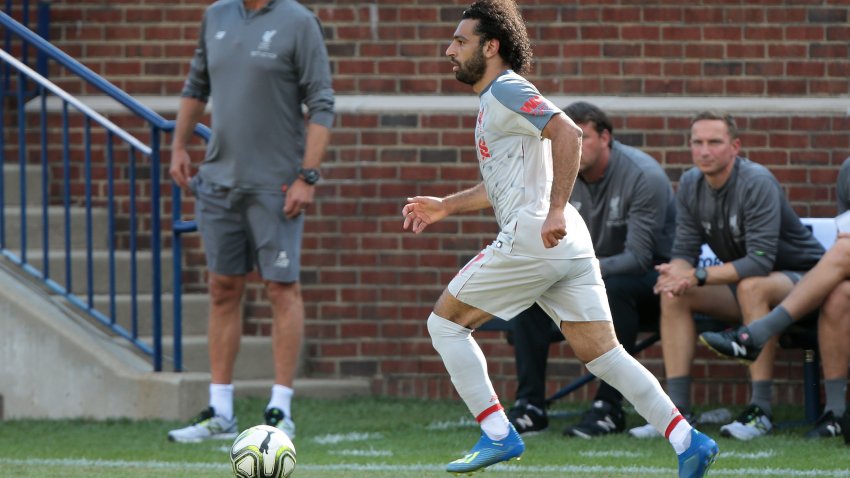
{"x": 844, "y": 186}
{"x": 259, "y": 67}
{"x": 630, "y": 212}
{"x": 747, "y": 222}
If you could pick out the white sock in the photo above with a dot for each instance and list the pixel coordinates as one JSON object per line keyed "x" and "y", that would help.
{"x": 680, "y": 437}
{"x": 495, "y": 425}
{"x": 221, "y": 399}
{"x": 468, "y": 370}
{"x": 282, "y": 399}
{"x": 641, "y": 389}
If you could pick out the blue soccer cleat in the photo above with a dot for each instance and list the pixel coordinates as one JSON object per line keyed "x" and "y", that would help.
{"x": 488, "y": 452}
{"x": 698, "y": 458}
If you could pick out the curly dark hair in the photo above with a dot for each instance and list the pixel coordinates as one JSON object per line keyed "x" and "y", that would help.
{"x": 501, "y": 20}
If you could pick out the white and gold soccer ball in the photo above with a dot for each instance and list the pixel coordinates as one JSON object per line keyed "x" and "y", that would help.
{"x": 262, "y": 452}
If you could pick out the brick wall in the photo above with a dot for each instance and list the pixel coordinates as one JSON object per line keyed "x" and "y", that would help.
{"x": 368, "y": 285}
{"x": 617, "y": 47}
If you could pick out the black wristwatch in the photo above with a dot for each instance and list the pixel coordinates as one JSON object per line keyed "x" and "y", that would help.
{"x": 701, "y": 274}
{"x": 309, "y": 175}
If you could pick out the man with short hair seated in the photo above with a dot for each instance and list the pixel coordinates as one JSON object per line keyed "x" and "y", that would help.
{"x": 738, "y": 208}
{"x": 827, "y": 285}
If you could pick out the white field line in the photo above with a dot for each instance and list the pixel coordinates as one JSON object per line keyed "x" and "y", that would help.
{"x": 611, "y": 454}
{"x": 759, "y": 455}
{"x": 361, "y": 452}
{"x": 333, "y": 439}
{"x": 462, "y": 422}
{"x": 501, "y": 469}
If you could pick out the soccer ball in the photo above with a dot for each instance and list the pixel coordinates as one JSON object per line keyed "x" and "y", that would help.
{"x": 262, "y": 452}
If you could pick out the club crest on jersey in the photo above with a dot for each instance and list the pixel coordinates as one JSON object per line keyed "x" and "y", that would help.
{"x": 614, "y": 207}
{"x": 264, "y": 47}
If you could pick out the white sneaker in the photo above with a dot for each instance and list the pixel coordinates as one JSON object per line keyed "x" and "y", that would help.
{"x": 207, "y": 426}
{"x": 649, "y": 431}
{"x": 751, "y": 423}
{"x": 716, "y": 416}
{"x": 646, "y": 431}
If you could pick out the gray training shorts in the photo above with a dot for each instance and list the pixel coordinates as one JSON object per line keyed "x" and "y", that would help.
{"x": 240, "y": 230}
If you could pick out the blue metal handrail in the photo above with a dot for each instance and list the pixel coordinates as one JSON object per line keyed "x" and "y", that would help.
{"x": 158, "y": 125}
{"x": 42, "y": 29}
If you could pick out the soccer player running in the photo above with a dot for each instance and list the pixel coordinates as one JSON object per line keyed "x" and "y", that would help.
{"x": 528, "y": 153}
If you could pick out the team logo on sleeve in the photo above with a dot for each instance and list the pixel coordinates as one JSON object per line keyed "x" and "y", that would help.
{"x": 535, "y": 106}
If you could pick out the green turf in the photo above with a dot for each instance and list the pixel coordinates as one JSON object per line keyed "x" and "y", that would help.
{"x": 383, "y": 438}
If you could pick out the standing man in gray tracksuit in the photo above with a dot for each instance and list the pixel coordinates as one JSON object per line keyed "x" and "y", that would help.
{"x": 738, "y": 208}
{"x": 259, "y": 61}
{"x": 627, "y": 202}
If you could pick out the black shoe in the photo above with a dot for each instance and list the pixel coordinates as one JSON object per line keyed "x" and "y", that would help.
{"x": 736, "y": 344}
{"x": 274, "y": 417}
{"x": 827, "y": 426}
{"x": 527, "y": 418}
{"x": 603, "y": 418}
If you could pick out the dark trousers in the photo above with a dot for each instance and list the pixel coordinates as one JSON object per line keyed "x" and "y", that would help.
{"x": 633, "y": 306}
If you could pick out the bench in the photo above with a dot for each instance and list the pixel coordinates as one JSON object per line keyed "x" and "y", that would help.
{"x": 798, "y": 336}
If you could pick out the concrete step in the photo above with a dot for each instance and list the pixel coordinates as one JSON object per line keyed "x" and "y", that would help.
{"x": 12, "y": 184}
{"x": 56, "y": 227}
{"x": 100, "y": 266}
{"x": 195, "y": 312}
{"x": 254, "y": 361}
{"x": 77, "y": 362}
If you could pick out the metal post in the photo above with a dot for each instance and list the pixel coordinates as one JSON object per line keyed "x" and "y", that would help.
{"x": 811, "y": 381}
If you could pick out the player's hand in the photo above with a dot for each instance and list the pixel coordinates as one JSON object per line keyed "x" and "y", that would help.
{"x": 181, "y": 168}
{"x": 421, "y": 211}
{"x": 673, "y": 280}
{"x": 554, "y": 228}
{"x": 299, "y": 196}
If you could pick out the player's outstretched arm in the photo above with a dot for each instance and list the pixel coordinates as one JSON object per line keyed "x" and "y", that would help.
{"x": 421, "y": 211}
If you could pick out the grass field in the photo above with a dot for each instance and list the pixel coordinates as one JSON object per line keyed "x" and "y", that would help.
{"x": 383, "y": 438}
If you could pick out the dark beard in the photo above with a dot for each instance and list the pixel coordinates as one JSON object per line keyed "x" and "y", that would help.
{"x": 473, "y": 70}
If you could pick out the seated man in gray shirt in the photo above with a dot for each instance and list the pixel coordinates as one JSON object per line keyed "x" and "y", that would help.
{"x": 626, "y": 200}
{"x": 826, "y": 286}
{"x": 738, "y": 208}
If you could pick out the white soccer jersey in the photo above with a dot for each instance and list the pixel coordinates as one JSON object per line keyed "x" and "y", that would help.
{"x": 516, "y": 166}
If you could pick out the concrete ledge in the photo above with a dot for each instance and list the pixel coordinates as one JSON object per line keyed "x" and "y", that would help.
{"x": 54, "y": 364}
{"x": 410, "y": 104}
